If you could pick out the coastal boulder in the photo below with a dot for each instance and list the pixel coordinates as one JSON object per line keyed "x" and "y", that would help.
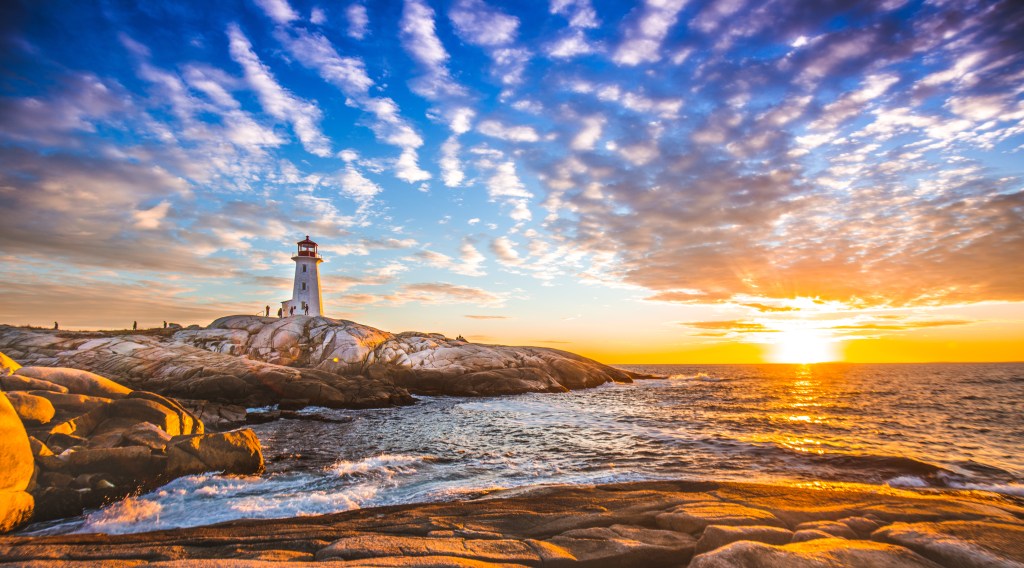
{"x": 77, "y": 381}
{"x": 230, "y": 452}
{"x": 19, "y": 383}
{"x": 16, "y": 469}
{"x": 7, "y": 366}
{"x": 33, "y": 410}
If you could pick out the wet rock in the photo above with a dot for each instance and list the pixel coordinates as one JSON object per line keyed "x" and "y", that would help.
{"x": 717, "y": 536}
{"x": 694, "y": 517}
{"x": 33, "y": 410}
{"x": 967, "y": 544}
{"x": 76, "y": 381}
{"x": 823, "y": 553}
{"x": 16, "y": 470}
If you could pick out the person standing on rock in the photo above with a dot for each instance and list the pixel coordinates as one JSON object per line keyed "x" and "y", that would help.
{"x": 165, "y": 324}
{"x": 55, "y": 326}
{"x": 268, "y": 311}
{"x": 291, "y": 311}
{"x": 305, "y": 309}
{"x": 135, "y": 326}
{"x": 280, "y": 312}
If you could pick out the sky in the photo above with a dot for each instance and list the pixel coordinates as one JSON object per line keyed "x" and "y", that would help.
{"x": 721, "y": 181}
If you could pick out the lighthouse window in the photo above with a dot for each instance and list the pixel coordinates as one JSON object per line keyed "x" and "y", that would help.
{"x": 303, "y": 285}
{"x": 303, "y": 267}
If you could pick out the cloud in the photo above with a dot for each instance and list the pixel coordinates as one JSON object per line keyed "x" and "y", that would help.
{"x": 431, "y": 293}
{"x": 480, "y": 24}
{"x": 570, "y": 45}
{"x": 589, "y": 134}
{"x": 358, "y": 21}
{"x": 276, "y": 100}
{"x": 279, "y": 10}
{"x": 506, "y": 252}
{"x": 471, "y": 259}
{"x": 349, "y": 75}
{"x": 495, "y": 129}
{"x": 580, "y": 13}
{"x": 151, "y": 218}
{"x": 730, "y": 326}
{"x": 504, "y": 185}
{"x": 642, "y": 40}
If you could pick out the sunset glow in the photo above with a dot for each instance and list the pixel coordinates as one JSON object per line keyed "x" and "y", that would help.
{"x": 706, "y": 182}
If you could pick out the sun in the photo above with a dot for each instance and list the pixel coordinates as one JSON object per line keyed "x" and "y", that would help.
{"x": 803, "y": 346}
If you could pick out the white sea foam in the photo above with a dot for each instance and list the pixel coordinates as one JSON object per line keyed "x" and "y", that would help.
{"x": 205, "y": 499}
{"x": 1016, "y": 489}
{"x": 386, "y": 465}
{"x": 702, "y": 376}
{"x": 907, "y": 481}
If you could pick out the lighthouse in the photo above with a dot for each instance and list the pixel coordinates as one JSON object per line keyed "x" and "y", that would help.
{"x": 306, "y": 290}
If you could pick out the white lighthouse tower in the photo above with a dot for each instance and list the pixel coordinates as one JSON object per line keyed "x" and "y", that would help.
{"x": 306, "y": 291}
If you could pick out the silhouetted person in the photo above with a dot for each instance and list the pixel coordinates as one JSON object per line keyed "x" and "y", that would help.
{"x": 280, "y": 312}
{"x": 305, "y": 309}
{"x": 55, "y": 326}
{"x": 291, "y": 311}
{"x": 268, "y": 311}
{"x": 165, "y": 324}
{"x": 135, "y": 326}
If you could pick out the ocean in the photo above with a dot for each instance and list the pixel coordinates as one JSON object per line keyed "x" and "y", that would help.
{"x": 950, "y": 426}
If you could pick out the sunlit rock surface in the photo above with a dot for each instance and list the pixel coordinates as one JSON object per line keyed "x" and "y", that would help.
{"x": 306, "y": 360}
{"x": 73, "y": 439}
{"x": 424, "y": 363}
{"x": 158, "y": 363}
{"x": 15, "y": 468}
{"x": 609, "y": 525}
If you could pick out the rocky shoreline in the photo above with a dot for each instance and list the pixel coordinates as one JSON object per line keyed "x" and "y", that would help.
{"x": 648, "y": 524}
{"x": 306, "y": 361}
{"x": 71, "y": 440}
{"x": 92, "y": 417}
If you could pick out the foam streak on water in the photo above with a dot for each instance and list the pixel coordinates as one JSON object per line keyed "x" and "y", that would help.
{"x": 950, "y": 426}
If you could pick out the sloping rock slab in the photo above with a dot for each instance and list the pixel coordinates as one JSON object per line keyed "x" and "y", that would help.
{"x": 960, "y": 543}
{"x": 822, "y": 553}
{"x": 609, "y": 525}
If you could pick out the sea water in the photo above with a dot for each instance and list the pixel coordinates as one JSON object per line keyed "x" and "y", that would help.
{"x": 958, "y": 426}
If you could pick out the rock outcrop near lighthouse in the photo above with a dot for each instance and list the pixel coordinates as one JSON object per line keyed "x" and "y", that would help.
{"x": 300, "y": 360}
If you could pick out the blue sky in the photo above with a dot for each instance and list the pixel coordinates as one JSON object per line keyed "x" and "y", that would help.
{"x": 526, "y": 172}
